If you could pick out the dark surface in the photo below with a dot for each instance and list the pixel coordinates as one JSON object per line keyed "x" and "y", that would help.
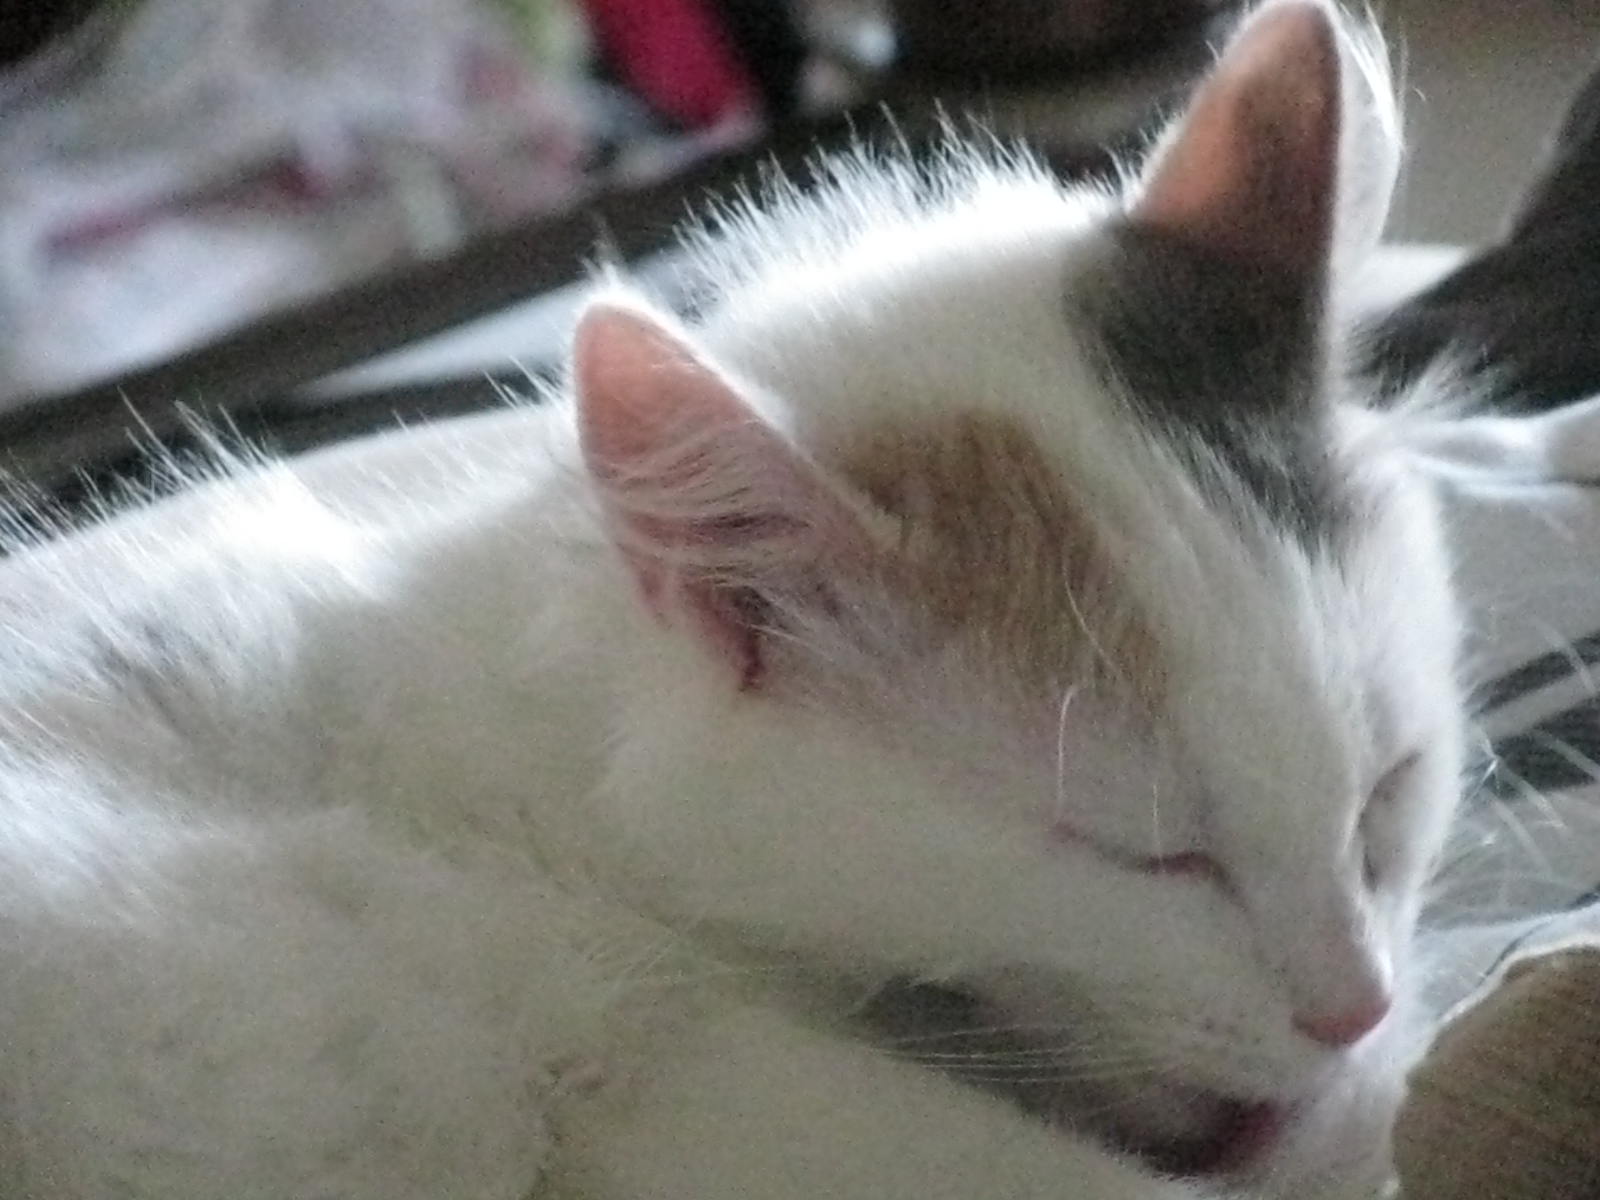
{"x": 26, "y": 25}
{"x": 768, "y": 40}
{"x": 995, "y": 40}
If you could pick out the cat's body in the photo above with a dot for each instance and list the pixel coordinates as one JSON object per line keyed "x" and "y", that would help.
{"x": 553, "y": 831}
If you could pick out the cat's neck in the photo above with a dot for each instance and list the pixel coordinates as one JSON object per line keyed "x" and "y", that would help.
{"x": 491, "y": 659}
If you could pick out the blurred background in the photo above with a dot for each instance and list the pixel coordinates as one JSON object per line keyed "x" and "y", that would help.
{"x": 223, "y": 201}
{"x": 1486, "y": 82}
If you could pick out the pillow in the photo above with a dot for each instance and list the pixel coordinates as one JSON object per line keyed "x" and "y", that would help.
{"x": 1506, "y": 1105}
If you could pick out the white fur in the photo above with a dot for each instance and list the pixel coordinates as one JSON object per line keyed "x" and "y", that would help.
{"x": 412, "y": 856}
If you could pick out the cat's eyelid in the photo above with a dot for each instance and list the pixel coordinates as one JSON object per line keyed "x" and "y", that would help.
{"x": 1184, "y": 862}
{"x": 1381, "y": 797}
{"x": 1190, "y": 862}
{"x": 1388, "y": 784}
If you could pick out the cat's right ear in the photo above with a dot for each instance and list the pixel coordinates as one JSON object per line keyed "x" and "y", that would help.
{"x": 1251, "y": 172}
{"x": 715, "y": 511}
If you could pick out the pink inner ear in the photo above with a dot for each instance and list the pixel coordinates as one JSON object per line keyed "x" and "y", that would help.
{"x": 711, "y": 504}
{"x": 1253, "y": 170}
{"x": 638, "y": 386}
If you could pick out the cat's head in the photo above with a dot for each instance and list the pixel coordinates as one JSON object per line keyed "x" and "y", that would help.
{"x": 1032, "y": 606}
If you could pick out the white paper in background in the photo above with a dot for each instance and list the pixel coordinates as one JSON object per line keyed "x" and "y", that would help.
{"x": 176, "y": 171}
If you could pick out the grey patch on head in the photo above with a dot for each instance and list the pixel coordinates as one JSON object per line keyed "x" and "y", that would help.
{"x": 1225, "y": 357}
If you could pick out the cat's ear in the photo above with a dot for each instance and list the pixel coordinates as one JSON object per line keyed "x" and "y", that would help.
{"x": 715, "y": 510}
{"x": 1370, "y": 149}
{"x": 1252, "y": 170}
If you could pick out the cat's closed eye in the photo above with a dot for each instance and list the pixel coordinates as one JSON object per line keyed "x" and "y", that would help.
{"x": 1186, "y": 862}
{"x": 1389, "y": 785}
{"x": 1179, "y": 863}
{"x": 1377, "y": 813}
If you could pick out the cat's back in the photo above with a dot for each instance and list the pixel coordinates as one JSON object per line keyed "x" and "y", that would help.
{"x": 221, "y": 929}
{"x": 182, "y": 622}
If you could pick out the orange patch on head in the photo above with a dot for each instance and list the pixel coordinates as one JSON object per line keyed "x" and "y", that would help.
{"x": 995, "y": 549}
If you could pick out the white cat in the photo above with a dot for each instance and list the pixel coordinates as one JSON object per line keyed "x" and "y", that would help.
{"x": 996, "y": 602}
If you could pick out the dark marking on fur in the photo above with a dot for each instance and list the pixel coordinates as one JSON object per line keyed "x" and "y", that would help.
{"x": 142, "y": 661}
{"x": 1226, "y": 354}
{"x": 955, "y": 1033}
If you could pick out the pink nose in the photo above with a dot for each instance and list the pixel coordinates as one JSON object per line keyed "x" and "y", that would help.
{"x": 1344, "y": 1028}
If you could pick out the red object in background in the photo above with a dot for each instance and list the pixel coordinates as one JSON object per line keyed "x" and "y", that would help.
{"x": 676, "y": 56}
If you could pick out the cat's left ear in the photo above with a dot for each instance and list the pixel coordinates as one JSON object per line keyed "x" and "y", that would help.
{"x": 716, "y": 512}
{"x": 1251, "y": 173}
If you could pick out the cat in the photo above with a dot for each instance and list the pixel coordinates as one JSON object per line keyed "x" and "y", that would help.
{"x": 1515, "y": 322}
{"x": 997, "y": 597}
{"x": 1519, "y": 311}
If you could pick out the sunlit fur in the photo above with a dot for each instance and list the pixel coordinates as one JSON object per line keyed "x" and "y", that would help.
{"x": 399, "y": 849}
